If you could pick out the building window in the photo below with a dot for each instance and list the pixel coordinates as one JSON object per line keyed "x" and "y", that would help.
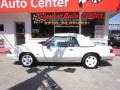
{"x": 95, "y": 24}
{"x": 39, "y": 27}
{"x": 46, "y": 24}
{"x": 1, "y": 27}
{"x": 68, "y": 22}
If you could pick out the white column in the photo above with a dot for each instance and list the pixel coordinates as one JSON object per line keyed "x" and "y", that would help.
{"x": 80, "y": 20}
{"x": 106, "y": 31}
{"x": 28, "y": 29}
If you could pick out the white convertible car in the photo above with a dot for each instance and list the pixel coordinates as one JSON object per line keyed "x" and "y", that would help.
{"x": 63, "y": 47}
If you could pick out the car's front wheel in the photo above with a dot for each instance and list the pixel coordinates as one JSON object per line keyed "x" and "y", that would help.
{"x": 27, "y": 60}
{"x": 90, "y": 61}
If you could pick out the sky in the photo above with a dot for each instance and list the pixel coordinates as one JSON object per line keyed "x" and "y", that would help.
{"x": 115, "y": 19}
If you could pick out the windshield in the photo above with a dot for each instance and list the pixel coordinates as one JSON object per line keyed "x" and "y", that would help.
{"x": 47, "y": 41}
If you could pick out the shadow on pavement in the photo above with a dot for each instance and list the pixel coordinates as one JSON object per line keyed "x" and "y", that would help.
{"x": 105, "y": 63}
{"x": 17, "y": 63}
{"x": 41, "y": 80}
{"x": 60, "y": 64}
{"x": 102, "y": 64}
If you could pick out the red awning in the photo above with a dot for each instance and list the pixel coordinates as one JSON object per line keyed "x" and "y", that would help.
{"x": 58, "y": 5}
{"x": 118, "y": 9}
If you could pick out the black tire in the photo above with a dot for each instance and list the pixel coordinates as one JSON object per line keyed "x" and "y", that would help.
{"x": 87, "y": 63}
{"x": 27, "y": 60}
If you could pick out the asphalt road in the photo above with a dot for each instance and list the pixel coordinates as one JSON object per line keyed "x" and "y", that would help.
{"x": 59, "y": 76}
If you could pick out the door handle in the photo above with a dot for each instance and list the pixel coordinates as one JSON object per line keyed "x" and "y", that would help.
{"x": 71, "y": 49}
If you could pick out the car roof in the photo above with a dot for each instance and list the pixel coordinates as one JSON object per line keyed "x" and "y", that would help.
{"x": 67, "y": 34}
{"x": 84, "y": 41}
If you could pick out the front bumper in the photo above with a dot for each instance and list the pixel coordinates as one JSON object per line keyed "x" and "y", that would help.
{"x": 12, "y": 55}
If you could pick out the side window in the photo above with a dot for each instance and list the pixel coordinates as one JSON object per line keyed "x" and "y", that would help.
{"x": 60, "y": 41}
{"x": 73, "y": 42}
{"x": 63, "y": 42}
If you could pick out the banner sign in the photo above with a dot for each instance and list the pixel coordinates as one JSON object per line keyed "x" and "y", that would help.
{"x": 58, "y": 5}
{"x": 95, "y": 15}
{"x": 99, "y": 31}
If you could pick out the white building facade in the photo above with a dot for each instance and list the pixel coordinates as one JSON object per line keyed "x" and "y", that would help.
{"x": 19, "y": 28}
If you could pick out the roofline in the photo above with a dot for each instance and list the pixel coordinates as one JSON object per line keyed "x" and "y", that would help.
{"x": 65, "y": 34}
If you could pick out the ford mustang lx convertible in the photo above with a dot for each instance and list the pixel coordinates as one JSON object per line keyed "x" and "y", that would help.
{"x": 63, "y": 48}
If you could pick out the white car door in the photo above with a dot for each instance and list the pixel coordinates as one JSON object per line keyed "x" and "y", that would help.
{"x": 51, "y": 54}
{"x": 51, "y": 51}
{"x": 62, "y": 49}
{"x": 72, "y": 52}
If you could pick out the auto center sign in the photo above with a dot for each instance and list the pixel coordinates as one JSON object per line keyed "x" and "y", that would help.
{"x": 34, "y": 3}
{"x": 58, "y": 5}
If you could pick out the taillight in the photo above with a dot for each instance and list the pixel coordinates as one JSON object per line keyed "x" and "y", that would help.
{"x": 111, "y": 50}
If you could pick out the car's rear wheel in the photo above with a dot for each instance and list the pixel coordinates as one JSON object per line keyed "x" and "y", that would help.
{"x": 90, "y": 61}
{"x": 27, "y": 60}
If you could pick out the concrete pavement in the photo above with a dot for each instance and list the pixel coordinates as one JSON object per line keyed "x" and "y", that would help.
{"x": 59, "y": 76}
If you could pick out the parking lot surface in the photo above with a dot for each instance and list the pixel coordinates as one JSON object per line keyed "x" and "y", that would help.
{"x": 48, "y": 76}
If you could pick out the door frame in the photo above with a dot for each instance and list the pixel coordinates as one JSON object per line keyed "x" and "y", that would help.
{"x": 15, "y": 32}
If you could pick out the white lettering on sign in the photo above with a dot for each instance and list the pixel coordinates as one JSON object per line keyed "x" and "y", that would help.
{"x": 33, "y": 3}
{"x": 49, "y": 3}
{"x": 13, "y": 4}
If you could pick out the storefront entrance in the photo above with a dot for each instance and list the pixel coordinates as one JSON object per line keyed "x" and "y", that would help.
{"x": 46, "y": 24}
{"x": 20, "y": 33}
{"x": 90, "y": 24}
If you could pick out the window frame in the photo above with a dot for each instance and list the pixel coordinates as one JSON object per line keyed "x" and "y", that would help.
{"x": 50, "y": 42}
{"x": 76, "y": 42}
{"x": 1, "y": 27}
